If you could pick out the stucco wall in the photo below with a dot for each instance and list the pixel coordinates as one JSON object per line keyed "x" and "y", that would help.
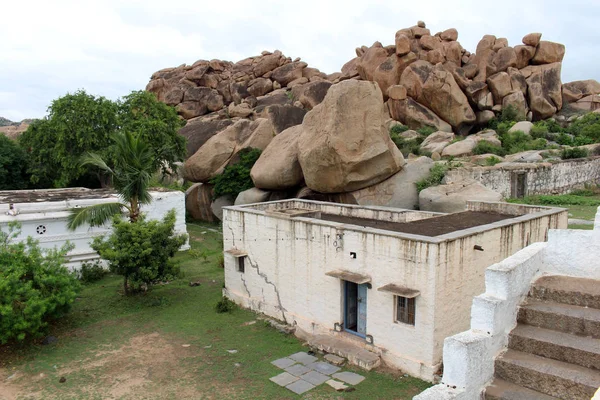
{"x": 50, "y": 219}
{"x": 543, "y": 178}
{"x": 288, "y": 258}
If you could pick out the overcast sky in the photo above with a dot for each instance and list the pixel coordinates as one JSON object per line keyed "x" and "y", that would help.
{"x": 111, "y": 47}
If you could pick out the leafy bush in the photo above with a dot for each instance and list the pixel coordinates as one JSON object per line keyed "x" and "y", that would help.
{"x": 13, "y": 165}
{"x": 436, "y": 175}
{"x": 558, "y": 200}
{"x": 398, "y": 129}
{"x": 141, "y": 251}
{"x": 35, "y": 286}
{"x": 574, "y": 152}
{"x": 510, "y": 114}
{"x": 485, "y": 147}
{"x": 236, "y": 177}
{"x": 92, "y": 272}
{"x": 225, "y": 306}
{"x": 491, "y": 161}
{"x": 518, "y": 141}
{"x": 426, "y": 130}
{"x": 587, "y": 126}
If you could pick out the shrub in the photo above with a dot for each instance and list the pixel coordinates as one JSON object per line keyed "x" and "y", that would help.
{"x": 426, "y": 130}
{"x": 485, "y": 147}
{"x": 542, "y": 129}
{"x": 574, "y": 152}
{"x": 92, "y": 272}
{"x": 236, "y": 177}
{"x": 13, "y": 165}
{"x": 587, "y": 126}
{"x": 398, "y": 129}
{"x": 517, "y": 141}
{"x": 559, "y": 200}
{"x": 436, "y": 175}
{"x": 491, "y": 161}
{"x": 35, "y": 286}
{"x": 141, "y": 251}
{"x": 225, "y": 306}
{"x": 510, "y": 114}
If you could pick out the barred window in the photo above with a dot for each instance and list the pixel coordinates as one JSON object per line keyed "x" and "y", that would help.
{"x": 405, "y": 310}
{"x": 241, "y": 264}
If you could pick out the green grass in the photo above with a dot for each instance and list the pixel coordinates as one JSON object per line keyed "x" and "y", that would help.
{"x": 109, "y": 343}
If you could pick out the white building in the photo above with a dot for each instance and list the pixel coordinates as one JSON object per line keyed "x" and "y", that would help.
{"x": 43, "y": 216}
{"x": 391, "y": 281}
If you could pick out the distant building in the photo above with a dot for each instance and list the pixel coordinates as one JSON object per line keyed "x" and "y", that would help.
{"x": 393, "y": 282}
{"x": 43, "y": 216}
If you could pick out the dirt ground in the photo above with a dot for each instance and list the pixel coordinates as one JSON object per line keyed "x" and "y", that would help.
{"x": 148, "y": 363}
{"x": 426, "y": 227}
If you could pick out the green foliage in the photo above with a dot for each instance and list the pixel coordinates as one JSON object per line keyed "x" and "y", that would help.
{"x": 13, "y": 165}
{"x": 558, "y": 200}
{"x": 542, "y": 129}
{"x": 225, "y": 306}
{"x": 80, "y": 123}
{"x": 510, "y": 114}
{"x": 141, "y": 251}
{"x": 398, "y": 129}
{"x": 436, "y": 175}
{"x": 587, "y": 127}
{"x": 587, "y": 192}
{"x": 35, "y": 286}
{"x": 426, "y": 130}
{"x": 492, "y": 160}
{"x": 485, "y": 147}
{"x": 574, "y": 152}
{"x": 518, "y": 141}
{"x": 76, "y": 123}
{"x": 236, "y": 177}
{"x": 92, "y": 272}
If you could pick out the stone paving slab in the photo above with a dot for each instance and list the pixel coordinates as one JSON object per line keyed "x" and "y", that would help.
{"x": 314, "y": 377}
{"x": 297, "y": 369}
{"x": 349, "y": 377}
{"x": 339, "y": 386}
{"x": 283, "y": 362}
{"x": 323, "y": 367}
{"x": 284, "y": 379}
{"x": 303, "y": 357}
{"x": 300, "y": 386}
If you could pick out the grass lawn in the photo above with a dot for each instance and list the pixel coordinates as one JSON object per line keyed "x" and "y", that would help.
{"x": 169, "y": 344}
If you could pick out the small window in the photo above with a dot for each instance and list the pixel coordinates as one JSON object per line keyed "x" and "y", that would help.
{"x": 241, "y": 264}
{"x": 405, "y": 310}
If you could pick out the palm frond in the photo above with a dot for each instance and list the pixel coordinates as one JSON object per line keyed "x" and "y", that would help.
{"x": 96, "y": 215}
{"x": 95, "y": 160}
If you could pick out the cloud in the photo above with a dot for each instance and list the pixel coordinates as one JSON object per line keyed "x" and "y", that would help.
{"x": 111, "y": 47}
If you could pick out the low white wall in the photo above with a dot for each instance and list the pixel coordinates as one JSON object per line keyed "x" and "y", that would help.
{"x": 47, "y": 222}
{"x": 469, "y": 356}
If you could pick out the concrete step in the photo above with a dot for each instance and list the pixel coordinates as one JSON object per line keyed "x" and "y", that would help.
{"x": 353, "y": 352}
{"x": 567, "y": 290}
{"x": 584, "y": 351}
{"x": 500, "y": 389}
{"x": 560, "y": 317}
{"x": 551, "y": 377}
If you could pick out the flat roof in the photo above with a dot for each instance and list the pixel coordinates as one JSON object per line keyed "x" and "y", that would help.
{"x": 46, "y": 195}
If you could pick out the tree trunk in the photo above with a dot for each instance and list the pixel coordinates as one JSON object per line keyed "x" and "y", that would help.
{"x": 125, "y": 288}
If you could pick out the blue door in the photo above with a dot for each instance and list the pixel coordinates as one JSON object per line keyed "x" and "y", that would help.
{"x": 355, "y": 308}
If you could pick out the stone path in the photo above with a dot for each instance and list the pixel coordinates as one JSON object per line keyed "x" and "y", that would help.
{"x": 304, "y": 372}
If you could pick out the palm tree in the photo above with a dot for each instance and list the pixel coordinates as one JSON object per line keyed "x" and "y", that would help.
{"x": 133, "y": 168}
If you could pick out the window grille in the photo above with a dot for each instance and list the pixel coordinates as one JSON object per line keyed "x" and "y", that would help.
{"x": 405, "y": 310}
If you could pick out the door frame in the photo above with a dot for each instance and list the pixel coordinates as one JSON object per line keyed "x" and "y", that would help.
{"x": 345, "y": 309}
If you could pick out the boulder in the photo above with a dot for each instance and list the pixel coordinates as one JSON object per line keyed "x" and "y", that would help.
{"x": 276, "y": 97}
{"x": 311, "y": 93}
{"x": 517, "y": 81}
{"x": 453, "y": 52}
{"x": 483, "y": 117}
{"x": 548, "y": 53}
{"x": 398, "y": 191}
{"x": 297, "y": 82}
{"x": 452, "y": 198}
{"x": 500, "y": 43}
{"x": 518, "y": 102}
{"x": 505, "y": 58}
{"x": 532, "y": 39}
{"x": 198, "y": 131}
{"x": 260, "y": 86}
{"x": 415, "y": 115}
{"x": 198, "y": 198}
{"x": 238, "y": 91}
{"x": 251, "y": 196}
{"x": 482, "y": 159}
{"x": 344, "y": 145}
{"x": 402, "y": 44}
{"x": 350, "y": 70}
{"x": 218, "y": 204}
{"x": 576, "y": 90}
{"x": 449, "y": 34}
{"x": 283, "y": 116}
{"x": 210, "y": 160}
{"x": 544, "y": 89}
{"x": 530, "y": 156}
{"x": 397, "y": 92}
{"x": 524, "y": 55}
{"x": 370, "y": 60}
{"x": 436, "y": 142}
{"x": 267, "y": 63}
{"x": 388, "y": 72}
{"x": 242, "y": 110}
{"x": 466, "y": 146}
{"x": 278, "y": 167}
{"x": 588, "y": 103}
{"x": 410, "y": 135}
{"x": 288, "y": 72}
{"x": 429, "y": 42}
{"x": 500, "y": 86}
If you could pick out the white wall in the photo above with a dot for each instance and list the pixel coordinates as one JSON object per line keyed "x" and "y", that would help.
{"x": 51, "y": 218}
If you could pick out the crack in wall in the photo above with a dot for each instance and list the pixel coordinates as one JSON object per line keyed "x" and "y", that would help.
{"x": 266, "y": 279}
{"x": 245, "y": 285}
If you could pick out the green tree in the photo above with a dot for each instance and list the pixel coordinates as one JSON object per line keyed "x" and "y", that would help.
{"x": 236, "y": 177}
{"x": 76, "y": 123}
{"x": 13, "y": 165}
{"x": 35, "y": 286}
{"x": 131, "y": 174}
{"x": 141, "y": 114}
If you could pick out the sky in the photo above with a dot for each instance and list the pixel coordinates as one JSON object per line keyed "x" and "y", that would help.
{"x": 111, "y": 47}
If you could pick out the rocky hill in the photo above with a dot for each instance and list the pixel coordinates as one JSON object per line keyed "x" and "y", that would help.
{"x": 13, "y": 129}
{"x": 341, "y": 144}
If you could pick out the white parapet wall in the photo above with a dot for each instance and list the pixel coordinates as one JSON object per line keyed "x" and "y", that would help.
{"x": 469, "y": 356}
{"x": 43, "y": 214}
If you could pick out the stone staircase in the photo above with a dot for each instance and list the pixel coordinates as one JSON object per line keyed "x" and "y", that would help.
{"x": 554, "y": 352}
